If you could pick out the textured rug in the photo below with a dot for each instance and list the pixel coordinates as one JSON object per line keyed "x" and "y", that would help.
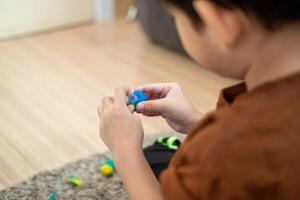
{"x": 96, "y": 186}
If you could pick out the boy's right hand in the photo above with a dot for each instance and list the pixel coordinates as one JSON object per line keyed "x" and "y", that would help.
{"x": 167, "y": 100}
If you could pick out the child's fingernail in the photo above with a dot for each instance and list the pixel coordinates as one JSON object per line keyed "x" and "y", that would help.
{"x": 131, "y": 108}
{"x": 140, "y": 107}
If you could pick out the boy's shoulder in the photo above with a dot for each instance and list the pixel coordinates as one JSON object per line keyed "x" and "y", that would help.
{"x": 268, "y": 113}
{"x": 273, "y": 107}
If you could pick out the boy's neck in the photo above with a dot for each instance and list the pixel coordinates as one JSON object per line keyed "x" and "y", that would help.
{"x": 277, "y": 58}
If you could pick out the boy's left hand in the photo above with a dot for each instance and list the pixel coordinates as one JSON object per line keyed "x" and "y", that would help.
{"x": 120, "y": 130}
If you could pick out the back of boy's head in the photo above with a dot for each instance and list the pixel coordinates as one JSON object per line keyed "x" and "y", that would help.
{"x": 273, "y": 14}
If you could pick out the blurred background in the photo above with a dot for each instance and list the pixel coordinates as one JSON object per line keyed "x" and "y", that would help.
{"x": 24, "y": 17}
{"x": 58, "y": 58}
{"x": 19, "y": 19}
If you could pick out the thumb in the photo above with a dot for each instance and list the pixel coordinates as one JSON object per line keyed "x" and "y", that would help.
{"x": 152, "y": 107}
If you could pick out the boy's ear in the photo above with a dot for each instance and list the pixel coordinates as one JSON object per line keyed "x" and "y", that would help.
{"x": 227, "y": 25}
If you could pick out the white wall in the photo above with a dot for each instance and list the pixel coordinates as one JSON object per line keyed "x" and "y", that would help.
{"x": 18, "y": 17}
{"x": 104, "y": 10}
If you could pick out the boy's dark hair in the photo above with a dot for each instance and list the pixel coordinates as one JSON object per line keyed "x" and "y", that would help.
{"x": 271, "y": 13}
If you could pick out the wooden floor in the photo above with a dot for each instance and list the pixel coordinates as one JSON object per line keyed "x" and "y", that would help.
{"x": 50, "y": 86}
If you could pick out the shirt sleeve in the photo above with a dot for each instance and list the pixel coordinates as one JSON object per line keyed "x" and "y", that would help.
{"x": 228, "y": 169}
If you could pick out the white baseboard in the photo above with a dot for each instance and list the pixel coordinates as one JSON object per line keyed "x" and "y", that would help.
{"x": 49, "y": 29}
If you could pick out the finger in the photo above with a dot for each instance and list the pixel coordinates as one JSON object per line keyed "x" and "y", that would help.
{"x": 106, "y": 102}
{"x": 152, "y": 114}
{"x": 152, "y": 107}
{"x": 120, "y": 97}
{"x": 156, "y": 90}
{"x": 131, "y": 108}
{"x": 103, "y": 104}
{"x": 99, "y": 109}
{"x": 129, "y": 91}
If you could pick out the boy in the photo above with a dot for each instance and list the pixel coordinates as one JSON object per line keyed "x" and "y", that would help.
{"x": 249, "y": 147}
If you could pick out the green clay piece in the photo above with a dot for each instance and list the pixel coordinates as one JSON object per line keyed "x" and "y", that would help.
{"x": 160, "y": 140}
{"x": 52, "y": 196}
{"x": 171, "y": 143}
{"x": 111, "y": 163}
{"x": 75, "y": 181}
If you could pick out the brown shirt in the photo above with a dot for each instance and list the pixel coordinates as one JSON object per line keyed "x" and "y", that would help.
{"x": 249, "y": 148}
